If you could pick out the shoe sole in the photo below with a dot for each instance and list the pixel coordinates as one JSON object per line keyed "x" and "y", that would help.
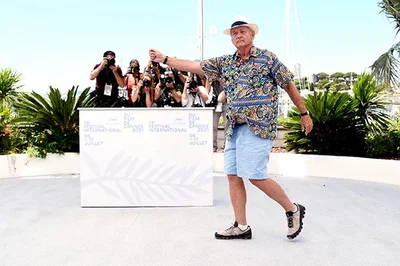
{"x": 244, "y": 236}
{"x": 302, "y": 214}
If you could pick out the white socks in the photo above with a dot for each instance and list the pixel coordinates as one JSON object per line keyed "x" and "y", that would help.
{"x": 242, "y": 227}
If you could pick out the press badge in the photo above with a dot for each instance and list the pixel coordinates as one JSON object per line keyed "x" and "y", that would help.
{"x": 107, "y": 90}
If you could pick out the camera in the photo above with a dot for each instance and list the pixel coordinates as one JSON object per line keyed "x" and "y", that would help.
{"x": 135, "y": 69}
{"x": 197, "y": 105}
{"x": 110, "y": 61}
{"x": 193, "y": 84}
{"x": 165, "y": 79}
{"x": 154, "y": 63}
{"x": 146, "y": 83}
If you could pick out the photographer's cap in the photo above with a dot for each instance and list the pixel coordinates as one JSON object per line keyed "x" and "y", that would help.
{"x": 241, "y": 21}
{"x": 108, "y": 53}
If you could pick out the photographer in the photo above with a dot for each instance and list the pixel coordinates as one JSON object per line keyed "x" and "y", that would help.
{"x": 168, "y": 93}
{"x": 194, "y": 93}
{"x": 132, "y": 78}
{"x": 155, "y": 70}
{"x": 108, "y": 77}
{"x": 143, "y": 93}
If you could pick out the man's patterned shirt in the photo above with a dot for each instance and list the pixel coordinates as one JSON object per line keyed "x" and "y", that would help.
{"x": 251, "y": 88}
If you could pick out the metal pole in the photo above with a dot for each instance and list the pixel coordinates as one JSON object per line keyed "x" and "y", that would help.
{"x": 201, "y": 30}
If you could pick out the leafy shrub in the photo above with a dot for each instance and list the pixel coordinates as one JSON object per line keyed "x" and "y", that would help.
{"x": 386, "y": 144}
{"x": 9, "y": 84}
{"x": 333, "y": 131}
{"x": 12, "y": 139}
{"x": 53, "y": 122}
{"x": 341, "y": 122}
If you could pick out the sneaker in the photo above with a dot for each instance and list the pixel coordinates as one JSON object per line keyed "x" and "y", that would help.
{"x": 234, "y": 232}
{"x": 295, "y": 221}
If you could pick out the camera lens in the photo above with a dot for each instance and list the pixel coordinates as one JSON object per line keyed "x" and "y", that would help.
{"x": 110, "y": 61}
{"x": 146, "y": 83}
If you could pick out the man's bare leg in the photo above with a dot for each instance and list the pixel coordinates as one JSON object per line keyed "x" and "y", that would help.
{"x": 237, "y": 193}
{"x": 275, "y": 192}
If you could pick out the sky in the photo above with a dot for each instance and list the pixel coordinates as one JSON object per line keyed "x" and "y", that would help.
{"x": 57, "y": 43}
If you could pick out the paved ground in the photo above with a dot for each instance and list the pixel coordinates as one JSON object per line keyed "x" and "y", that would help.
{"x": 347, "y": 223}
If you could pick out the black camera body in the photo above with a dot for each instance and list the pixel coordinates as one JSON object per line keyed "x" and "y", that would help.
{"x": 193, "y": 84}
{"x": 135, "y": 69}
{"x": 146, "y": 83}
{"x": 197, "y": 105}
{"x": 110, "y": 62}
{"x": 165, "y": 79}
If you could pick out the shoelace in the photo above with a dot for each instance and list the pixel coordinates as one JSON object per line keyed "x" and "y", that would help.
{"x": 233, "y": 226}
{"x": 290, "y": 221}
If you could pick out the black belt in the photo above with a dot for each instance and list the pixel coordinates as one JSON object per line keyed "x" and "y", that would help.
{"x": 240, "y": 124}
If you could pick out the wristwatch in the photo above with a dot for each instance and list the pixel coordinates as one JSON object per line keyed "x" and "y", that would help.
{"x": 303, "y": 114}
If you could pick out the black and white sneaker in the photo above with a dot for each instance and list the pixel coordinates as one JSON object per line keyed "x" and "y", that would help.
{"x": 295, "y": 221}
{"x": 234, "y": 232}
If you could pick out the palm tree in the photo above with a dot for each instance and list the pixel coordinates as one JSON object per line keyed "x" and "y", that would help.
{"x": 386, "y": 67}
{"x": 9, "y": 87}
{"x": 54, "y": 111}
{"x": 341, "y": 122}
{"x": 369, "y": 98}
{"x": 333, "y": 132}
{"x": 55, "y": 114}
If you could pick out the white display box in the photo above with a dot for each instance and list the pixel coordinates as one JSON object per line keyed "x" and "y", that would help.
{"x": 146, "y": 157}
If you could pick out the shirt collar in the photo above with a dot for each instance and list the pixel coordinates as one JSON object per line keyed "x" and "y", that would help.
{"x": 253, "y": 53}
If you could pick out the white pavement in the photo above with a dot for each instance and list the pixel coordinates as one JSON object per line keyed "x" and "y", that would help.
{"x": 347, "y": 223}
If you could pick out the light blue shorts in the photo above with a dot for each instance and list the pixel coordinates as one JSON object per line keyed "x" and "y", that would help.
{"x": 246, "y": 155}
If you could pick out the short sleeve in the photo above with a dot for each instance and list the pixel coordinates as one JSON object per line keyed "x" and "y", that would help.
{"x": 211, "y": 68}
{"x": 280, "y": 73}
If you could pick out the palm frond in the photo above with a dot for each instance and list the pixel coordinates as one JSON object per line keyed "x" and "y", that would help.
{"x": 369, "y": 103}
{"x": 52, "y": 111}
{"x": 9, "y": 84}
{"x": 386, "y": 67}
{"x": 391, "y": 8}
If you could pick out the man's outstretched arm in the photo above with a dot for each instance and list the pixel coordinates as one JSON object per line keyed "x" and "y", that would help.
{"x": 181, "y": 64}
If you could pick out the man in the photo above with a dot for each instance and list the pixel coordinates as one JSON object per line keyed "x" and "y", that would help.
{"x": 168, "y": 93}
{"x": 132, "y": 78}
{"x": 251, "y": 78}
{"x": 108, "y": 78}
{"x": 194, "y": 94}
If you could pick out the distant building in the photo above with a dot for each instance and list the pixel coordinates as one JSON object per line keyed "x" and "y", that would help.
{"x": 314, "y": 78}
{"x": 297, "y": 71}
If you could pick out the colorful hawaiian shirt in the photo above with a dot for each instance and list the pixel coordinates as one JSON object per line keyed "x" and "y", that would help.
{"x": 251, "y": 88}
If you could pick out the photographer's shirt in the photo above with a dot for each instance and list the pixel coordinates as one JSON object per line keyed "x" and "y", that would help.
{"x": 251, "y": 88}
{"x": 194, "y": 99}
{"x": 106, "y": 76}
{"x": 166, "y": 97}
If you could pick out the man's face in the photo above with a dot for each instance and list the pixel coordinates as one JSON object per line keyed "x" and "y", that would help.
{"x": 242, "y": 36}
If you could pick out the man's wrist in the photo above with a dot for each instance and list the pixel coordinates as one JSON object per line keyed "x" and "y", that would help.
{"x": 304, "y": 113}
{"x": 165, "y": 60}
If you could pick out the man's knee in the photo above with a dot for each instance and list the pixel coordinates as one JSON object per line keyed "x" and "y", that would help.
{"x": 257, "y": 182}
{"x": 235, "y": 179}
